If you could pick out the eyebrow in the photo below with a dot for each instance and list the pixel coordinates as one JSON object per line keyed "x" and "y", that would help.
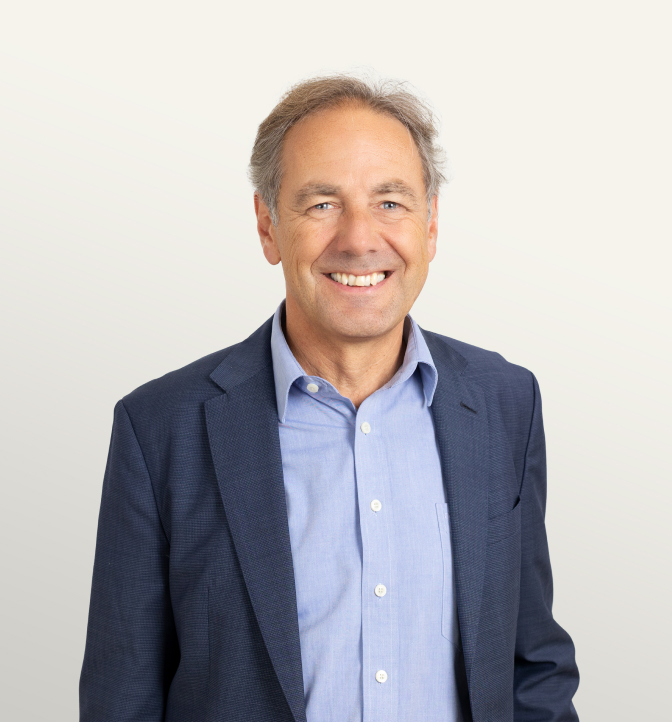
{"x": 314, "y": 189}
{"x": 324, "y": 189}
{"x": 395, "y": 186}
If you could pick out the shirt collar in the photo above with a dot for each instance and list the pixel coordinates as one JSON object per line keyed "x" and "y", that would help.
{"x": 286, "y": 369}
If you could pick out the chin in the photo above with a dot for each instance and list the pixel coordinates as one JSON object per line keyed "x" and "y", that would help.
{"x": 361, "y": 323}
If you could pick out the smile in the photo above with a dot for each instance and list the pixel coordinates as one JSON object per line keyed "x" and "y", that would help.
{"x": 348, "y": 279}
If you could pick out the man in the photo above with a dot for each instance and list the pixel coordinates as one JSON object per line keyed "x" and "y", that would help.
{"x": 342, "y": 517}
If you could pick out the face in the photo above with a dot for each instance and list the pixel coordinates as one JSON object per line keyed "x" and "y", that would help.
{"x": 353, "y": 234}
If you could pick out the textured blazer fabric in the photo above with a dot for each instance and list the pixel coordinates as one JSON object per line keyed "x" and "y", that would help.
{"x": 193, "y": 612}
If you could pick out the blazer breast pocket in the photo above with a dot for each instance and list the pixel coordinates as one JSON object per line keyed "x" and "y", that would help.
{"x": 503, "y": 526}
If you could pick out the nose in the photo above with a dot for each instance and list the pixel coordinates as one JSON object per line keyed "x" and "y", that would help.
{"x": 357, "y": 235}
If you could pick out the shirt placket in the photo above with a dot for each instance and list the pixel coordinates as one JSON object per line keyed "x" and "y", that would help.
{"x": 379, "y": 596}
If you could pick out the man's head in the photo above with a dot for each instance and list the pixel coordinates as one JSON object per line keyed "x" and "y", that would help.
{"x": 346, "y": 178}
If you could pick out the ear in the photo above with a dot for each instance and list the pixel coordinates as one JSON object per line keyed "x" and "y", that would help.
{"x": 266, "y": 231}
{"x": 433, "y": 230}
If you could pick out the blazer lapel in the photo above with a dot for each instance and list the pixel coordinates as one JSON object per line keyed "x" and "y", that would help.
{"x": 461, "y": 423}
{"x": 243, "y": 433}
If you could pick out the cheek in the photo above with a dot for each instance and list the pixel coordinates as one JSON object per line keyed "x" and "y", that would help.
{"x": 313, "y": 242}
{"x": 300, "y": 252}
{"x": 413, "y": 248}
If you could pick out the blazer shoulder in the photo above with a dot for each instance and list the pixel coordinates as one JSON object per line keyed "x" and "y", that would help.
{"x": 180, "y": 394}
{"x": 189, "y": 385}
{"x": 488, "y": 368}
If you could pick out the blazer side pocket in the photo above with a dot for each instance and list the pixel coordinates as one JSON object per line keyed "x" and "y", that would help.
{"x": 503, "y": 526}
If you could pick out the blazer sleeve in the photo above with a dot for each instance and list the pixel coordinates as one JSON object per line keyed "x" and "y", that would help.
{"x": 545, "y": 674}
{"x": 131, "y": 649}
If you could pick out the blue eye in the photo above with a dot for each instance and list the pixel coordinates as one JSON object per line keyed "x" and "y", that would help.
{"x": 390, "y": 204}
{"x": 322, "y": 206}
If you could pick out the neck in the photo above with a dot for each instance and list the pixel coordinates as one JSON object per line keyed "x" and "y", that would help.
{"x": 355, "y": 367}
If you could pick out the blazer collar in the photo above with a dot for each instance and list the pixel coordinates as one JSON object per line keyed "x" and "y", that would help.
{"x": 245, "y": 359}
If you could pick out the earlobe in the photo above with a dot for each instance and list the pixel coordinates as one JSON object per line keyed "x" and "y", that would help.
{"x": 271, "y": 252}
{"x": 266, "y": 231}
{"x": 431, "y": 249}
{"x": 433, "y": 230}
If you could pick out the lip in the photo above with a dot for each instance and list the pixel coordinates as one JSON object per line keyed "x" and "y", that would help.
{"x": 359, "y": 289}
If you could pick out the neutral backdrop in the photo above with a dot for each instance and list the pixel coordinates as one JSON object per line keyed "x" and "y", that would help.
{"x": 129, "y": 249}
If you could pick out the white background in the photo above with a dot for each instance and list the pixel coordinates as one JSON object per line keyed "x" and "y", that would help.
{"x": 129, "y": 249}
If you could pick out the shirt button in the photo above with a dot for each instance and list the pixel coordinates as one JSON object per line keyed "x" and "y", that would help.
{"x": 381, "y": 676}
{"x": 365, "y": 427}
{"x": 380, "y": 590}
{"x": 376, "y": 505}
{"x": 313, "y": 388}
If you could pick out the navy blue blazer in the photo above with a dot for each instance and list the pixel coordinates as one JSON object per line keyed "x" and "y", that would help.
{"x": 193, "y": 610}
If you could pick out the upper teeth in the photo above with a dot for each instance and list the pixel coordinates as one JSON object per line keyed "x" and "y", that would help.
{"x": 350, "y": 280}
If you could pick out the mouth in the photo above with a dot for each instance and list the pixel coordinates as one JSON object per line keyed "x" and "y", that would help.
{"x": 349, "y": 279}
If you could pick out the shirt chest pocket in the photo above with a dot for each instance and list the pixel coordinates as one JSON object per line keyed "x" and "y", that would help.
{"x": 449, "y": 624}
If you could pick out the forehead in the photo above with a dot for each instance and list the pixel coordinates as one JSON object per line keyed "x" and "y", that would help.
{"x": 349, "y": 143}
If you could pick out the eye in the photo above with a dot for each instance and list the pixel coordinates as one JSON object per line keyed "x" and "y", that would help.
{"x": 322, "y": 206}
{"x": 390, "y": 205}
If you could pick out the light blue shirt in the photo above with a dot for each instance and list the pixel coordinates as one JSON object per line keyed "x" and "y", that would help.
{"x": 370, "y": 537}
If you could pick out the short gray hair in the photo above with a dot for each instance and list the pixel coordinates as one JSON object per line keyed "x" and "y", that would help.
{"x": 389, "y": 97}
